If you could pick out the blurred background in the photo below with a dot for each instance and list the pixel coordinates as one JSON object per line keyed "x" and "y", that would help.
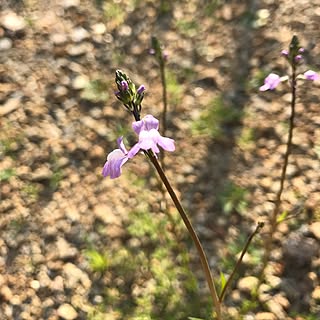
{"x": 74, "y": 245}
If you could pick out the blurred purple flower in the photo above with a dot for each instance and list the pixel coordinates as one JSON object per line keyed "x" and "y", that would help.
{"x": 149, "y": 137}
{"x": 270, "y": 82}
{"x": 115, "y": 160}
{"x": 311, "y": 75}
{"x": 298, "y": 57}
{"x": 141, "y": 89}
{"x": 285, "y": 52}
{"x": 124, "y": 85}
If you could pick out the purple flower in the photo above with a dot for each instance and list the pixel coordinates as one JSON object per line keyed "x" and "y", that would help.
{"x": 149, "y": 137}
{"x": 115, "y": 160}
{"x": 311, "y": 75}
{"x": 141, "y": 89}
{"x": 298, "y": 57}
{"x": 285, "y": 53}
{"x": 270, "y": 82}
{"x": 124, "y": 85}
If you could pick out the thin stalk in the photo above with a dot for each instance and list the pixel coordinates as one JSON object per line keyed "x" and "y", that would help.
{"x": 234, "y": 271}
{"x": 164, "y": 97}
{"x": 202, "y": 255}
{"x": 276, "y": 210}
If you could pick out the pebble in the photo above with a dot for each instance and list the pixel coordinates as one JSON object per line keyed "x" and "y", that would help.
{"x": 316, "y": 294}
{"x": 99, "y": 28}
{"x": 80, "y": 82}
{"x": 265, "y": 316}
{"x": 315, "y": 229}
{"x": 79, "y": 34}
{"x": 5, "y": 44}
{"x": 40, "y": 174}
{"x": 79, "y": 49}
{"x": 74, "y": 275}
{"x": 248, "y": 284}
{"x": 65, "y": 250}
{"x": 12, "y": 22}
{"x": 10, "y": 105}
{"x": 66, "y": 311}
{"x": 58, "y": 38}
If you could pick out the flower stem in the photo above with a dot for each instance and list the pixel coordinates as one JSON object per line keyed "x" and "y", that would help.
{"x": 202, "y": 255}
{"x": 164, "y": 97}
{"x": 276, "y": 210}
{"x": 257, "y": 229}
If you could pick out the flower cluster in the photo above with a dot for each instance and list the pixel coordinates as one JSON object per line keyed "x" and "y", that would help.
{"x": 294, "y": 56}
{"x": 127, "y": 92}
{"x": 149, "y": 139}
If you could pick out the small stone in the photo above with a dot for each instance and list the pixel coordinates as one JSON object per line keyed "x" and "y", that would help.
{"x": 99, "y": 28}
{"x": 276, "y": 308}
{"x": 265, "y": 316}
{"x": 66, "y": 311}
{"x": 80, "y": 82}
{"x": 74, "y": 275}
{"x": 79, "y": 49}
{"x": 65, "y": 250}
{"x": 316, "y": 294}
{"x": 248, "y": 284}
{"x": 58, "y": 39}
{"x": 10, "y": 105}
{"x": 5, "y": 44}
{"x": 315, "y": 229}
{"x": 12, "y": 22}
{"x": 41, "y": 174}
{"x": 104, "y": 213}
{"x": 79, "y": 34}
{"x": 6, "y": 293}
{"x": 35, "y": 284}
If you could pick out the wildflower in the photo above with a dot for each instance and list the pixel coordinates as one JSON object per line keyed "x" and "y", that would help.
{"x": 270, "y": 82}
{"x": 149, "y": 137}
{"x": 124, "y": 85}
{"x": 141, "y": 89}
{"x": 311, "y": 75}
{"x": 115, "y": 160}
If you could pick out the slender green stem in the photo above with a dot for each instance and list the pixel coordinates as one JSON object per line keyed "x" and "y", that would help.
{"x": 277, "y": 203}
{"x": 224, "y": 290}
{"x": 202, "y": 255}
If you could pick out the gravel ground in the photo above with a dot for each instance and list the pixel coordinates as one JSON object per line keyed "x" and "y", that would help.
{"x": 59, "y": 118}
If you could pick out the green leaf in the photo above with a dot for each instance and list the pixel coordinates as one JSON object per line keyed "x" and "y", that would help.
{"x": 282, "y": 216}
{"x": 223, "y": 281}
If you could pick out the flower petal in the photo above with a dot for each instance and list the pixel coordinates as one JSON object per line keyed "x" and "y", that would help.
{"x": 270, "y": 82}
{"x": 115, "y": 160}
{"x": 137, "y": 126}
{"x": 121, "y": 145}
{"x": 150, "y": 122}
{"x": 166, "y": 143}
{"x": 311, "y": 75}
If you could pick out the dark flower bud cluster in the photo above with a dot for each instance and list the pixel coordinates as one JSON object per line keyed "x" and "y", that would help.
{"x": 128, "y": 94}
{"x": 295, "y": 52}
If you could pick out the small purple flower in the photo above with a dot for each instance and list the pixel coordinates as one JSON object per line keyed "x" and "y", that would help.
{"x": 301, "y": 50}
{"x": 141, "y": 89}
{"x": 285, "y": 53}
{"x": 298, "y": 57}
{"x": 270, "y": 82}
{"x": 149, "y": 137}
{"x": 311, "y": 75}
{"x": 115, "y": 160}
{"x": 124, "y": 85}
